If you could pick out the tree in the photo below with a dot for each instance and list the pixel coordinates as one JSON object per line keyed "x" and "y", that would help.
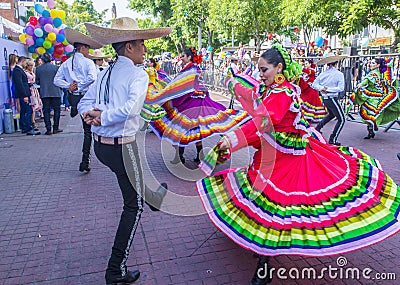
{"x": 79, "y": 12}
{"x": 160, "y": 9}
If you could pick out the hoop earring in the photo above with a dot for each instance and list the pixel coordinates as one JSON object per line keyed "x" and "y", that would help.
{"x": 279, "y": 78}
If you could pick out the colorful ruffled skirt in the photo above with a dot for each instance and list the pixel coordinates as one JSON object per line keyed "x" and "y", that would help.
{"x": 195, "y": 119}
{"x": 312, "y": 106}
{"x": 327, "y": 200}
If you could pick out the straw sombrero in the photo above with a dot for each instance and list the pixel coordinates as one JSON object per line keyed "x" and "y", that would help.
{"x": 124, "y": 29}
{"x": 97, "y": 54}
{"x": 73, "y": 36}
{"x": 330, "y": 59}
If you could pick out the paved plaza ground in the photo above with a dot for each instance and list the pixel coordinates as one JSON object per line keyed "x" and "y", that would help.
{"x": 57, "y": 225}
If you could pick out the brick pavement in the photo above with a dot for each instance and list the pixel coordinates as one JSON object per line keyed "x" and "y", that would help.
{"x": 57, "y": 225}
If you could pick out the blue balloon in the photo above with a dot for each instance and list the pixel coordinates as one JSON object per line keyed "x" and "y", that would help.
{"x": 319, "y": 41}
{"x": 57, "y": 22}
{"x": 39, "y": 8}
{"x": 46, "y": 13}
{"x": 31, "y": 49}
{"x": 39, "y": 42}
{"x": 50, "y": 50}
{"x": 60, "y": 38}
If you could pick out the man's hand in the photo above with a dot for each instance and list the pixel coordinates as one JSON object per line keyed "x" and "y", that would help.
{"x": 26, "y": 100}
{"x": 73, "y": 86}
{"x": 92, "y": 117}
{"x": 324, "y": 90}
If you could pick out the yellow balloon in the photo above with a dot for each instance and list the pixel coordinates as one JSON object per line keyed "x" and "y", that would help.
{"x": 41, "y": 50}
{"x": 53, "y": 13}
{"x": 22, "y": 38}
{"x": 61, "y": 14}
{"x": 34, "y": 56}
{"x": 51, "y": 37}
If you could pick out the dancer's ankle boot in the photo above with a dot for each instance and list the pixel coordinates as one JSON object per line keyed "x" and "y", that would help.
{"x": 155, "y": 199}
{"x": 371, "y": 133}
{"x": 199, "y": 149}
{"x": 262, "y": 274}
{"x": 179, "y": 156}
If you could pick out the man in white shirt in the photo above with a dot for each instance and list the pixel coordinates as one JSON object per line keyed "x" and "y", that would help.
{"x": 112, "y": 106}
{"x": 330, "y": 83}
{"x": 76, "y": 74}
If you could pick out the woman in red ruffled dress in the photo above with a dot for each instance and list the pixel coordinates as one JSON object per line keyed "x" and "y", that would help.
{"x": 299, "y": 195}
{"x": 313, "y": 108}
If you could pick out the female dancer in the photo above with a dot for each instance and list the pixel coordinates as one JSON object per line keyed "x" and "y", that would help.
{"x": 314, "y": 110}
{"x": 378, "y": 95}
{"x": 299, "y": 196}
{"x": 191, "y": 114}
{"x": 35, "y": 98}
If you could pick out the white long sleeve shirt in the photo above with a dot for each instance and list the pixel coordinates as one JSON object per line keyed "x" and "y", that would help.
{"x": 77, "y": 68}
{"x": 332, "y": 79}
{"x": 120, "y": 116}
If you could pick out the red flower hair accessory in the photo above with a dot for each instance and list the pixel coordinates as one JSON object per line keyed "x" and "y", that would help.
{"x": 197, "y": 58}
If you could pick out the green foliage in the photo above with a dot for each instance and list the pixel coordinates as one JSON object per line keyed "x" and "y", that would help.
{"x": 79, "y": 12}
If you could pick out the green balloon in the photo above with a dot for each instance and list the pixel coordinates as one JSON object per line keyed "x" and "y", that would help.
{"x": 47, "y": 44}
{"x": 65, "y": 42}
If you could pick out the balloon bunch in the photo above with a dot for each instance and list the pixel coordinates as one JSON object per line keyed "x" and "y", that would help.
{"x": 45, "y": 33}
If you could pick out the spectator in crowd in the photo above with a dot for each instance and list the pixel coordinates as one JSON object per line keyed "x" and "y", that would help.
{"x": 35, "y": 98}
{"x": 50, "y": 94}
{"x": 23, "y": 94}
{"x": 12, "y": 61}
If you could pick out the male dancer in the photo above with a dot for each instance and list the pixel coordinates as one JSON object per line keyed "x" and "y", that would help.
{"x": 112, "y": 106}
{"x": 76, "y": 74}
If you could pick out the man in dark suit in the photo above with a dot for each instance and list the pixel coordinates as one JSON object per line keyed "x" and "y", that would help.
{"x": 49, "y": 93}
{"x": 23, "y": 93}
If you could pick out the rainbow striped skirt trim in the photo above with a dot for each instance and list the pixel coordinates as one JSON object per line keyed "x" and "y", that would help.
{"x": 356, "y": 213}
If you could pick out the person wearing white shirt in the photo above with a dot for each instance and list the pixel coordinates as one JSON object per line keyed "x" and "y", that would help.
{"x": 330, "y": 83}
{"x": 112, "y": 106}
{"x": 76, "y": 74}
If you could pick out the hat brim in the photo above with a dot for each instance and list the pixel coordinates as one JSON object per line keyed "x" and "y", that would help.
{"x": 110, "y": 36}
{"x": 91, "y": 56}
{"x": 330, "y": 59}
{"x": 73, "y": 36}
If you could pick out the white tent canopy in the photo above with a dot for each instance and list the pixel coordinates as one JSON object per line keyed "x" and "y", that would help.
{"x": 8, "y": 28}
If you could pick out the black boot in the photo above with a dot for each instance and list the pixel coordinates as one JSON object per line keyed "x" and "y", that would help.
{"x": 262, "y": 274}
{"x": 84, "y": 165}
{"x": 199, "y": 149}
{"x": 371, "y": 133}
{"x": 179, "y": 156}
{"x": 155, "y": 199}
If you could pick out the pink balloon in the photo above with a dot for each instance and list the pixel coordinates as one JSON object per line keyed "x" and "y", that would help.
{"x": 48, "y": 28}
{"x": 55, "y": 30}
{"x": 51, "y": 4}
{"x": 69, "y": 48}
{"x": 29, "y": 41}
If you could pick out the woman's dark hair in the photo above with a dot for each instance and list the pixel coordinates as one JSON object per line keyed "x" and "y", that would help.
{"x": 382, "y": 63}
{"x": 189, "y": 53}
{"x": 274, "y": 57}
{"x": 153, "y": 62}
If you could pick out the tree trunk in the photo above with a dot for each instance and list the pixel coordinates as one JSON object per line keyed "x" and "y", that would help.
{"x": 258, "y": 38}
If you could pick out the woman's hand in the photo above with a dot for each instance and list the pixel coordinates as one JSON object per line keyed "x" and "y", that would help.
{"x": 223, "y": 147}
{"x": 224, "y": 144}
